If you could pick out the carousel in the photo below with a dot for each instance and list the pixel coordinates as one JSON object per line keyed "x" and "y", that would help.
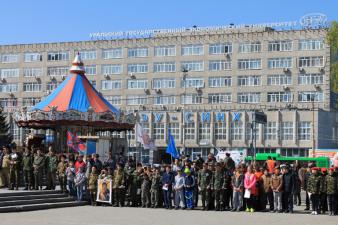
{"x": 75, "y": 106}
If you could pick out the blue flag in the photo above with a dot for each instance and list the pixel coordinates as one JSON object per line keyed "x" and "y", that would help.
{"x": 171, "y": 149}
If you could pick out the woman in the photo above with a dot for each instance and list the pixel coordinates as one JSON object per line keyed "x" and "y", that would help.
{"x": 250, "y": 189}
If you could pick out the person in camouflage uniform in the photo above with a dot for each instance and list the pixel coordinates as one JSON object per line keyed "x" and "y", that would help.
{"x": 119, "y": 186}
{"x": 313, "y": 188}
{"x": 51, "y": 166}
{"x": 323, "y": 195}
{"x": 92, "y": 185}
{"x": 155, "y": 188}
{"x": 14, "y": 170}
{"x": 38, "y": 165}
{"x": 227, "y": 189}
{"x": 217, "y": 184}
{"x": 331, "y": 184}
{"x": 128, "y": 170}
{"x": 27, "y": 165}
{"x": 204, "y": 184}
{"x": 135, "y": 190}
{"x": 61, "y": 174}
{"x": 145, "y": 191}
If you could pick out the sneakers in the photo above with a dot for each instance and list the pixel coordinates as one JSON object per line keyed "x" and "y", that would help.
{"x": 252, "y": 210}
{"x": 247, "y": 210}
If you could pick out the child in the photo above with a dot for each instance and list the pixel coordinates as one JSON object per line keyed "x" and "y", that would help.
{"x": 238, "y": 186}
{"x": 70, "y": 173}
{"x": 155, "y": 188}
{"x": 250, "y": 189}
{"x": 92, "y": 185}
{"x": 179, "y": 189}
{"x": 145, "y": 191}
{"x": 61, "y": 172}
{"x": 267, "y": 191}
{"x": 189, "y": 185}
{"x": 80, "y": 181}
{"x": 276, "y": 186}
{"x": 331, "y": 191}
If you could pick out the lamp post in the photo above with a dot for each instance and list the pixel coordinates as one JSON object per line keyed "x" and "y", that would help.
{"x": 184, "y": 78}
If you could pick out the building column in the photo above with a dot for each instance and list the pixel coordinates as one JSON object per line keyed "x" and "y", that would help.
{"x": 228, "y": 123}
{"x": 295, "y": 126}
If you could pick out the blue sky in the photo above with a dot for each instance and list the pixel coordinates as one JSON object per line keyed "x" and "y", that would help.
{"x": 35, "y": 21}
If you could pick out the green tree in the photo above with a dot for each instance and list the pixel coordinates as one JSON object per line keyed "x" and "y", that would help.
{"x": 5, "y": 136}
{"x": 332, "y": 39}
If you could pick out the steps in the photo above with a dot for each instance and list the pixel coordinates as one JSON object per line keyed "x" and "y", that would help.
{"x": 35, "y": 200}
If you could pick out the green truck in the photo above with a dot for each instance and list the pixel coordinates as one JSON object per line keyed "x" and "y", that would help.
{"x": 322, "y": 162}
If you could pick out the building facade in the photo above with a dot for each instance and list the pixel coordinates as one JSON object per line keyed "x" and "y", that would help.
{"x": 202, "y": 85}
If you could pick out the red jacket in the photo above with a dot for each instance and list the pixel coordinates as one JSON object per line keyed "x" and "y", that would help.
{"x": 250, "y": 183}
{"x": 78, "y": 165}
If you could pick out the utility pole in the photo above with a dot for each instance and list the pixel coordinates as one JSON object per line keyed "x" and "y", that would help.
{"x": 184, "y": 77}
{"x": 313, "y": 128}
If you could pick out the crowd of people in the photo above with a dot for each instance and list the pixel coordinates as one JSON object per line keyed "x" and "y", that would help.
{"x": 222, "y": 186}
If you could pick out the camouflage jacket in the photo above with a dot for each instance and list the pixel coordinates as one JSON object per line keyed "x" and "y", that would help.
{"x": 313, "y": 184}
{"x": 331, "y": 184}
{"x": 218, "y": 179}
{"x": 204, "y": 178}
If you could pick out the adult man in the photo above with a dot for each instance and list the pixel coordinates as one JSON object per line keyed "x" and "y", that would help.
{"x": 288, "y": 182}
{"x": 27, "y": 165}
{"x": 4, "y": 171}
{"x": 110, "y": 162}
{"x": 61, "y": 173}
{"x": 14, "y": 170}
{"x": 204, "y": 184}
{"x": 119, "y": 186}
{"x": 97, "y": 162}
{"x": 155, "y": 188}
{"x": 313, "y": 188}
{"x": 218, "y": 179}
{"x": 52, "y": 163}
{"x": 167, "y": 181}
{"x": 270, "y": 164}
{"x": 38, "y": 165}
{"x": 229, "y": 162}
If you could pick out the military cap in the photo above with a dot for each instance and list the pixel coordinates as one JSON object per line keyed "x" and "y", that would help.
{"x": 315, "y": 168}
{"x": 332, "y": 168}
{"x": 323, "y": 170}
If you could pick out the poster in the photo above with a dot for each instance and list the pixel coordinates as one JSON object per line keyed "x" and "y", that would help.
{"x": 104, "y": 191}
{"x": 331, "y": 153}
{"x": 237, "y": 154}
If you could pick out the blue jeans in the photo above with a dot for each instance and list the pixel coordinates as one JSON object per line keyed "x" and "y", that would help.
{"x": 71, "y": 187}
{"x": 237, "y": 200}
{"x": 167, "y": 198}
{"x": 79, "y": 191}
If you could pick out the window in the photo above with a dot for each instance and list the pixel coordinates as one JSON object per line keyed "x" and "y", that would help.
{"x": 164, "y": 67}
{"x": 220, "y": 48}
{"x": 9, "y": 87}
{"x": 313, "y": 78}
{"x": 164, "y": 100}
{"x": 114, "y": 53}
{"x": 137, "y": 84}
{"x": 313, "y": 61}
{"x": 279, "y": 79}
{"x": 29, "y": 102}
{"x": 249, "y": 64}
{"x": 50, "y": 86}
{"x": 32, "y": 72}
{"x": 175, "y": 130}
{"x": 219, "y": 82}
{"x": 309, "y": 96}
{"x": 87, "y": 54}
{"x": 137, "y": 100}
{"x": 236, "y": 130}
{"x": 304, "y": 130}
{"x": 249, "y": 97}
{"x": 8, "y": 102}
{"x": 287, "y": 130}
{"x": 191, "y": 99}
{"x": 189, "y": 131}
{"x": 218, "y": 65}
{"x": 218, "y": 98}
{"x": 279, "y": 97}
{"x": 9, "y": 58}
{"x": 58, "y": 56}
{"x": 164, "y": 83}
{"x": 220, "y": 131}
{"x": 93, "y": 83}
{"x": 204, "y": 131}
{"x": 165, "y": 51}
{"x": 138, "y": 68}
{"x": 271, "y": 131}
{"x": 280, "y": 46}
{"x": 192, "y": 49}
{"x": 90, "y": 70}
{"x": 249, "y": 80}
{"x": 311, "y": 44}
{"x": 137, "y": 52}
{"x": 248, "y": 47}
{"x": 32, "y": 57}
{"x": 193, "y": 66}
{"x": 192, "y": 82}
{"x": 8, "y": 73}
{"x": 58, "y": 71}
{"x": 32, "y": 87}
{"x": 111, "y": 84}
{"x": 294, "y": 152}
{"x": 111, "y": 69}
{"x": 249, "y": 132}
{"x": 276, "y": 63}
{"x": 158, "y": 131}
{"x": 114, "y": 99}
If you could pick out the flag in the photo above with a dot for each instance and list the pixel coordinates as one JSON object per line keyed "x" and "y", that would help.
{"x": 143, "y": 137}
{"x": 75, "y": 143}
{"x": 171, "y": 149}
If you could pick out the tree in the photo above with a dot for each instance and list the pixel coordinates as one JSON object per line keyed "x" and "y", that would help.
{"x": 332, "y": 39}
{"x": 5, "y": 136}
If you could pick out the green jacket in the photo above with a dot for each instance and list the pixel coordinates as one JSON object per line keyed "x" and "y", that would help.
{"x": 51, "y": 163}
{"x": 204, "y": 178}
{"x": 218, "y": 179}
{"x": 27, "y": 162}
{"x": 39, "y": 162}
{"x": 314, "y": 184}
{"x": 155, "y": 182}
{"x": 331, "y": 183}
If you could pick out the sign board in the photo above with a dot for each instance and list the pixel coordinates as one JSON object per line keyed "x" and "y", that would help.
{"x": 238, "y": 155}
{"x": 332, "y": 154}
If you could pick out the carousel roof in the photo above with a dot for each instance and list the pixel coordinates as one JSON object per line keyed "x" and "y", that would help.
{"x": 76, "y": 93}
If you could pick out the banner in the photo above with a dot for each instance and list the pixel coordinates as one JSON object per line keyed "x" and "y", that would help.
{"x": 104, "y": 191}
{"x": 238, "y": 155}
{"x": 144, "y": 138}
{"x": 332, "y": 154}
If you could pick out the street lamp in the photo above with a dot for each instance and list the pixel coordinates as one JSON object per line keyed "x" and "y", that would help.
{"x": 184, "y": 78}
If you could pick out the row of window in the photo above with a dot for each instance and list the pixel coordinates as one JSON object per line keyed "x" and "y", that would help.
{"x": 191, "y": 49}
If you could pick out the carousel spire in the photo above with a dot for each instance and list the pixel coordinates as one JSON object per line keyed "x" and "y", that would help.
{"x": 77, "y": 65}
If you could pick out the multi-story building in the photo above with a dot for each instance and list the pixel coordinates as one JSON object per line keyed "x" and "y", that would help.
{"x": 227, "y": 75}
